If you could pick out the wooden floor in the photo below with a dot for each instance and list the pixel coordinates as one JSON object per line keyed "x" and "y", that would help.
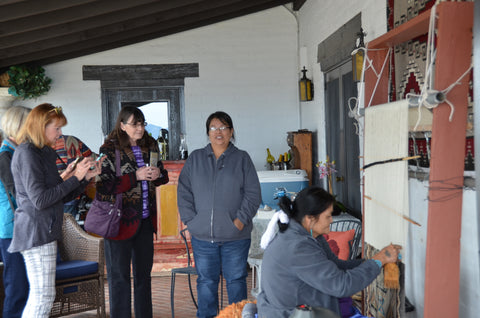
{"x": 184, "y": 307}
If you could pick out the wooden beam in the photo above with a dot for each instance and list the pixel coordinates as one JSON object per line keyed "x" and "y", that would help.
{"x": 376, "y": 94}
{"x": 409, "y": 30}
{"x": 297, "y": 4}
{"x": 23, "y": 9}
{"x": 442, "y": 268}
{"x": 116, "y": 35}
{"x": 139, "y": 71}
{"x": 378, "y": 49}
{"x": 71, "y": 20}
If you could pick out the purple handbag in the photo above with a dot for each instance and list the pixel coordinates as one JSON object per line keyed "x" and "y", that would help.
{"x": 103, "y": 217}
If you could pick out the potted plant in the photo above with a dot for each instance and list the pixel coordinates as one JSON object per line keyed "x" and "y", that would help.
{"x": 27, "y": 81}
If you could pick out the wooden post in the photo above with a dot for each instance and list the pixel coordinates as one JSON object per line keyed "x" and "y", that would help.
{"x": 442, "y": 267}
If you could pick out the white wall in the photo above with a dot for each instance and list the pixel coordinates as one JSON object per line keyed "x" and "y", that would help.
{"x": 415, "y": 259}
{"x": 247, "y": 67}
{"x": 318, "y": 19}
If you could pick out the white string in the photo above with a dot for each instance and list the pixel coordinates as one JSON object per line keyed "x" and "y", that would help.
{"x": 355, "y": 112}
{"x": 428, "y": 84}
{"x": 379, "y": 75}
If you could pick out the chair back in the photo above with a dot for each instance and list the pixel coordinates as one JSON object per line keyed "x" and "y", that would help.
{"x": 347, "y": 223}
{"x": 184, "y": 237}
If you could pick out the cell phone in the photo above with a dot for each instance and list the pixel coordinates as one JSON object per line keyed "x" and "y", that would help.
{"x": 97, "y": 160}
{"x": 100, "y": 156}
{"x": 75, "y": 162}
{"x": 153, "y": 158}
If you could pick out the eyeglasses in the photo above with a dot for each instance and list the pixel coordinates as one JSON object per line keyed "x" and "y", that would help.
{"x": 222, "y": 129}
{"x": 57, "y": 110}
{"x": 138, "y": 125}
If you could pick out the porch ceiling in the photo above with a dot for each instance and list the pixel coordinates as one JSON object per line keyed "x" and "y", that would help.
{"x": 48, "y": 31}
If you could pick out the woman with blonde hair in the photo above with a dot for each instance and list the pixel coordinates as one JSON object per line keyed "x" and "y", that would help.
{"x": 15, "y": 281}
{"x": 41, "y": 193}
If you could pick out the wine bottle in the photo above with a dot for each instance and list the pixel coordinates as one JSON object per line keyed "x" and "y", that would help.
{"x": 183, "y": 148}
{"x": 270, "y": 158}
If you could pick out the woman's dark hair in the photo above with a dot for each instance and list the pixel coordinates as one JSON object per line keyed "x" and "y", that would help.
{"x": 223, "y": 117}
{"x": 312, "y": 200}
{"x": 121, "y": 136}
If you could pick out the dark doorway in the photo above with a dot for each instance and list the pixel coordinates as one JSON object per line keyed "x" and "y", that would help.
{"x": 342, "y": 139}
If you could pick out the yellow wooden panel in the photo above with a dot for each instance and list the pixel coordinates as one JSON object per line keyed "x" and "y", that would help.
{"x": 168, "y": 210}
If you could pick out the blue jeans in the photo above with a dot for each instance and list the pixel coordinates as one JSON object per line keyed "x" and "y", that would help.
{"x": 72, "y": 208}
{"x": 211, "y": 259}
{"x": 15, "y": 281}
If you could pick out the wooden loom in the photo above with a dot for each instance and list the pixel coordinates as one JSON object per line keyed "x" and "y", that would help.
{"x": 454, "y": 49}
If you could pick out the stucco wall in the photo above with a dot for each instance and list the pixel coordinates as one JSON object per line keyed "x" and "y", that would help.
{"x": 247, "y": 66}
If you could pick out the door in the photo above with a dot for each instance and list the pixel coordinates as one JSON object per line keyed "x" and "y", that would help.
{"x": 342, "y": 139}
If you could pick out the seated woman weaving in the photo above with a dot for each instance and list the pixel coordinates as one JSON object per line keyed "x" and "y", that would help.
{"x": 299, "y": 269}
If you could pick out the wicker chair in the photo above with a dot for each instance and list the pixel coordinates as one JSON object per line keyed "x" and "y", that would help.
{"x": 80, "y": 293}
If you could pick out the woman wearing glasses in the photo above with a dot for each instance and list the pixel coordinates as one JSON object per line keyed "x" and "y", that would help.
{"x": 41, "y": 192}
{"x": 137, "y": 182}
{"x": 218, "y": 195}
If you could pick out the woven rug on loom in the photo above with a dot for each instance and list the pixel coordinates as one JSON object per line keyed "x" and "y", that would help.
{"x": 386, "y": 196}
{"x": 408, "y": 65}
{"x": 381, "y": 302}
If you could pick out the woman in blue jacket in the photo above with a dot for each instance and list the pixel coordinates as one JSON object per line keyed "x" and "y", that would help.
{"x": 218, "y": 195}
{"x": 298, "y": 267}
{"x": 15, "y": 281}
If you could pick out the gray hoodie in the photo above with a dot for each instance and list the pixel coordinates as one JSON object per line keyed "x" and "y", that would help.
{"x": 212, "y": 193}
{"x": 300, "y": 270}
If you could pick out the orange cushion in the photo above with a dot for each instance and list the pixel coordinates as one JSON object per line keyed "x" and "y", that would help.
{"x": 339, "y": 242}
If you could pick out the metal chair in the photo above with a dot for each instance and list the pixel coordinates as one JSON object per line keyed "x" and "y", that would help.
{"x": 189, "y": 270}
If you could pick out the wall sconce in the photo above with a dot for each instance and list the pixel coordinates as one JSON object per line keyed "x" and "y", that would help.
{"x": 305, "y": 87}
{"x": 358, "y": 55}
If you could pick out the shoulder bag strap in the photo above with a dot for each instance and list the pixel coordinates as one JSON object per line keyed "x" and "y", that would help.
{"x": 118, "y": 199}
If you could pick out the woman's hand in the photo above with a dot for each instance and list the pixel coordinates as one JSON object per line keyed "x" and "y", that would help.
{"x": 147, "y": 173}
{"x": 388, "y": 254}
{"x": 67, "y": 173}
{"x": 83, "y": 167}
{"x": 238, "y": 224}
{"x": 95, "y": 169}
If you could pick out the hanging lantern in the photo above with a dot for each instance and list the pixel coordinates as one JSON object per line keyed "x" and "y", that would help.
{"x": 358, "y": 55}
{"x": 305, "y": 87}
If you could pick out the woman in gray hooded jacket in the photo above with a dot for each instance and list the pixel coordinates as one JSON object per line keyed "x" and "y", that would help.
{"x": 218, "y": 195}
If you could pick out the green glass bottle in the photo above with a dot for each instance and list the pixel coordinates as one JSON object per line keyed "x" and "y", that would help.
{"x": 270, "y": 158}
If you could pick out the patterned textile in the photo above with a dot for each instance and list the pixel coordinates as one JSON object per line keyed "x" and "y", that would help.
{"x": 408, "y": 74}
{"x": 381, "y": 302}
{"x": 68, "y": 148}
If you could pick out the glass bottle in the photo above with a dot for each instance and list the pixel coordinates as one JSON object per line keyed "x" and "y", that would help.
{"x": 165, "y": 149}
{"x": 183, "y": 148}
{"x": 161, "y": 147}
{"x": 270, "y": 158}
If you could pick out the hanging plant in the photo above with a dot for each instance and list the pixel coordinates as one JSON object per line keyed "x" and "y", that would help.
{"x": 28, "y": 81}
